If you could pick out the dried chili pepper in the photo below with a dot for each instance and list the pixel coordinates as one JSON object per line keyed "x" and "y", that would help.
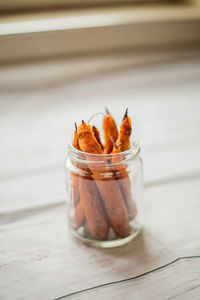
{"x": 96, "y": 221}
{"x": 110, "y": 130}
{"x": 123, "y": 140}
{"x": 108, "y": 188}
{"x": 87, "y": 139}
{"x": 97, "y": 136}
{"x": 123, "y": 144}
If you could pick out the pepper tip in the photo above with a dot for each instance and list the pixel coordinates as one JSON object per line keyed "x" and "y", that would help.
{"x": 126, "y": 114}
{"x": 106, "y": 109}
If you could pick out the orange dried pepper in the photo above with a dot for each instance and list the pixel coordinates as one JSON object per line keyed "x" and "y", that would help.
{"x": 86, "y": 189}
{"x": 123, "y": 144}
{"x": 123, "y": 140}
{"x": 108, "y": 188}
{"x": 87, "y": 139}
{"x": 89, "y": 197}
{"x": 110, "y": 131}
{"x": 97, "y": 136}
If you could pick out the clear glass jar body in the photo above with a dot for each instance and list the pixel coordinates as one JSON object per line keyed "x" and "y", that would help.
{"x": 104, "y": 196}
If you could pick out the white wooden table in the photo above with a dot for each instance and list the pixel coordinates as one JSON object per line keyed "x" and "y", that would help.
{"x": 38, "y": 257}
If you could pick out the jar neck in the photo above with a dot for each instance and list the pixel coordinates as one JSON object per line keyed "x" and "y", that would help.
{"x": 77, "y": 156}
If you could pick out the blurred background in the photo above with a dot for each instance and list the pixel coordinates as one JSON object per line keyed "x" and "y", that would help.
{"x": 62, "y": 61}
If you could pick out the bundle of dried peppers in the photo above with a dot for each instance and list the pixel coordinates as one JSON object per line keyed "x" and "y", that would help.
{"x": 103, "y": 202}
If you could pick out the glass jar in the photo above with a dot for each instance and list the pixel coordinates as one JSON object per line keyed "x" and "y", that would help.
{"x": 104, "y": 196}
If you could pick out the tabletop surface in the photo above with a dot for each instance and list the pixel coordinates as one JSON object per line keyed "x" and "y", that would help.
{"x": 39, "y": 259}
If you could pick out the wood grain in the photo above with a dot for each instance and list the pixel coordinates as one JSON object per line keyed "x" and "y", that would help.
{"x": 39, "y": 249}
{"x": 175, "y": 285}
{"x": 38, "y": 257}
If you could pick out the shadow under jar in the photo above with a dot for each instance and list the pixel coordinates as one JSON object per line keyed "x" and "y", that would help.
{"x": 104, "y": 196}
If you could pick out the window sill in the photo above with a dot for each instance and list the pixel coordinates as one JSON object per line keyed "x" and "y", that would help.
{"x": 72, "y": 33}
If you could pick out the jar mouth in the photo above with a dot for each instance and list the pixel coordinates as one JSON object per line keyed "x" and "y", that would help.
{"x": 85, "y": 157}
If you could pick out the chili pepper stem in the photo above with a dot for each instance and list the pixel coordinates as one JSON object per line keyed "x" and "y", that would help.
{"x": 106, "y": 109}
{"x": 99, "y": 113}
{"x": 126, "y": 114}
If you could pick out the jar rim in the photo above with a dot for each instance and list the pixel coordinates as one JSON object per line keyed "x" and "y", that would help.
{"x": 131, "y": 153}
